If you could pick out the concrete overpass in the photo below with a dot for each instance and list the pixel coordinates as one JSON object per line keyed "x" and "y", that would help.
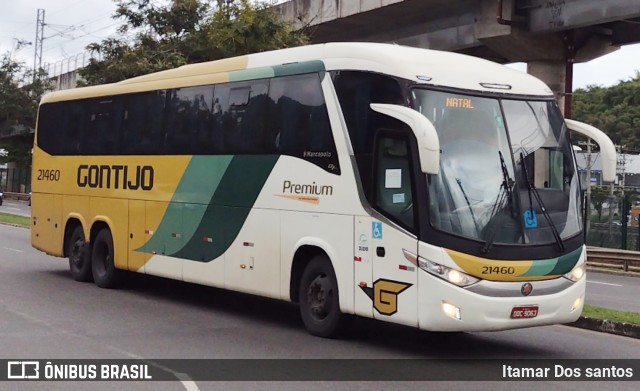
{"x": 550, "y": 35}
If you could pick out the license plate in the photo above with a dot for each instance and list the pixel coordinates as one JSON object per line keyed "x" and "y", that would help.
{"x": 523, "y": 312}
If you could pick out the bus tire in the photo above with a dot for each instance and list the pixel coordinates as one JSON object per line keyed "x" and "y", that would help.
{"x": 78, "y": 252}
{"x": 105, "y": 274}
{"x": 319, "y": 299}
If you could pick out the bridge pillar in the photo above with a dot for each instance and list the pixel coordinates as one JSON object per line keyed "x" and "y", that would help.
{"x": 552, "y": 73}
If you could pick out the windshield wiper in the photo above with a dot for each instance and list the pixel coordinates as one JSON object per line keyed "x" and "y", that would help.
{"x": 464, "y": 193}
{"x": 531, "y": 188}
{"x": 505, "y": 190}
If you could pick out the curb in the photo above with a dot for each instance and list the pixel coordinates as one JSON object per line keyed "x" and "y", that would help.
{"x": 607, "y": 326}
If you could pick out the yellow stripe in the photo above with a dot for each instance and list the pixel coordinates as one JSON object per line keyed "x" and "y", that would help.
{"x": 494, "y": 270}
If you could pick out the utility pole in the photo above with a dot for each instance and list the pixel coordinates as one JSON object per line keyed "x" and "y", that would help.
{"x": 588, "y": 206}
{"x": 37, "y": 57}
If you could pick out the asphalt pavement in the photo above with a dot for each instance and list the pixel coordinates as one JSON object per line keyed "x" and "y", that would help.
{"x": 46, "y": 315}
{"x": 618, "y": 292}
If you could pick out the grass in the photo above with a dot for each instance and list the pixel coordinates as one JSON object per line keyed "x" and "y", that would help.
{"x": 22, "y": 221}
{"x": 609, "y": 314}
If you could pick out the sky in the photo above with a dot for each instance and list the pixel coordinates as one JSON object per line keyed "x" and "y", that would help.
{"x": 73, "y": 24}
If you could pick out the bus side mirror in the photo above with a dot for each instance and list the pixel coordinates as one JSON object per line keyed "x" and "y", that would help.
{"x": 426, "y": 135}
{"x": 607, "y": 149}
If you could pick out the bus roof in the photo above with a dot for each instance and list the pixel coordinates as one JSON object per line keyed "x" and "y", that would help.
{"x": 423, "y": 66}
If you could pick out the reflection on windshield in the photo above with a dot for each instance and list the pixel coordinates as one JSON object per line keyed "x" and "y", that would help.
{"x": 480, "y": 192}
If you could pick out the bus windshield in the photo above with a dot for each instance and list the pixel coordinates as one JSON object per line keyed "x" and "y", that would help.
{"x": 507, "y": 174}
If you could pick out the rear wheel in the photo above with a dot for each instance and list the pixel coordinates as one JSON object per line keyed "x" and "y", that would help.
{"x": 78, "y": 252}
{"x": 319, "y": 304}
{"x": 105, "y": 274}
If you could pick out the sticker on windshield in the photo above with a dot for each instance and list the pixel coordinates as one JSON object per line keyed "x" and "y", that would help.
{"x": 530, "y": 219}
{"x": 393, "y": 178}
{"x": 398, "y": 198}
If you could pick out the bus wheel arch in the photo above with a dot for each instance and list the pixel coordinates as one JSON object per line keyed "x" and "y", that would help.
{"x": 78, "y": 250}
{"x": 317, "y": 293}
{"x": 105, "y": 274}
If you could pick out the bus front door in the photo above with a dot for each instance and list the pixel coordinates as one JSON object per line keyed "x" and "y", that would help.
{"x": 393, "y": 245}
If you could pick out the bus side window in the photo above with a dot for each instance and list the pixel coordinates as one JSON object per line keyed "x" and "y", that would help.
{"x": 300, "y": 122}
{"x": 356, "y": 91}
{"x": 393, "y": 194}
{"x": 53, "y": 119}
{"x": 187, "y": 120}
{"x": 71, "y": 124}
{"x": 240, "y": 112}
{"x": 153, "y": 125}
{"x": 102, "y": 126}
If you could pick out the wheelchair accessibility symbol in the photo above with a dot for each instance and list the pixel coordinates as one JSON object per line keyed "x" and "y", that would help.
{"x": 376, "y": 228}
{"x": 530, "y": 219}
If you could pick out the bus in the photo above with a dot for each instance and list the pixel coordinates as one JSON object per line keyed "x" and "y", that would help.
{"x": 413, "y": 186}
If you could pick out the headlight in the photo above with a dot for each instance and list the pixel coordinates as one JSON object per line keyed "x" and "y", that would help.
{"x": 577, "y": 272}
{"x": 446, "y": 273}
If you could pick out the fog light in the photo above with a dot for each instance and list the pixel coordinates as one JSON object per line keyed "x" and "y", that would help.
{"x": 576, "y": 304}
{"x": 451, "y": 310}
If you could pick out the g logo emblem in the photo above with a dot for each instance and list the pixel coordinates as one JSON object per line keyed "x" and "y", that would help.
{"x": 385, "y": 295}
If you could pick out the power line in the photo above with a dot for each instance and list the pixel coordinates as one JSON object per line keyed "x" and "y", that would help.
{"x": 60, "y": 44}
{"x": 37, "y": 58}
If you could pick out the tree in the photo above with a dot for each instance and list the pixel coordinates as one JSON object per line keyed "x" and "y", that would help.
{"x": 615, "y": 110}
{"x": 598, "y": 197}
{"x": 184, "y": 32}
{"x": 20, "y": 94}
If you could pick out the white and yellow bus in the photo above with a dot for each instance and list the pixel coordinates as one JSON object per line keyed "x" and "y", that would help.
{"x": 413, "y": 186}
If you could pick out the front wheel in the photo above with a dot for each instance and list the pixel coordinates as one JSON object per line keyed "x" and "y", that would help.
{"x": 105, "y": 274}
{"x": 319, "y": 304}
{"x": 79, "y": 260}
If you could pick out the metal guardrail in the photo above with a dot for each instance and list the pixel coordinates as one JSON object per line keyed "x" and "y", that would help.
{"x": 613, "y": 259}
{"x": 16, "y": 196}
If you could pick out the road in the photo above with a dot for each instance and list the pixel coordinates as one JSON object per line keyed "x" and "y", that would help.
{"x": 603, "y": 290}
{"x": 45, "y": 314}
{"x": 613, "y": 291}
{"x": 16, "y": 208}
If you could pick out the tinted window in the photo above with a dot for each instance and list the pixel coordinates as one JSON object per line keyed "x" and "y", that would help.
{"x": 356, "y": 91}
{"x": 102, "y": 128}
{"x": 285, "y": 115}
{"x": 189, "y": 121}
{"x": 300, "y": 121}
{"x": 142, "y": 123}
{"x": 240, "y": 115}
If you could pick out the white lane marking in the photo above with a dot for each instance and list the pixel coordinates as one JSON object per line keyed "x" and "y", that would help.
{"x": 603, "y": 283}
{"x": 183, "y": 378}
{"x": 12, "y": 249}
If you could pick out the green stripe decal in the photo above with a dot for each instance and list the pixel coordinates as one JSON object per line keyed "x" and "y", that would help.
{"x": 231, "y": 185}
{"x": 200, "y": 180}
{"x": 296, "y": 68}
{"x": 567, "y": 262}
{"x": 540, "y": 267}
{"x": 554, "y": 266}
{"x": 251, "y": 74}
